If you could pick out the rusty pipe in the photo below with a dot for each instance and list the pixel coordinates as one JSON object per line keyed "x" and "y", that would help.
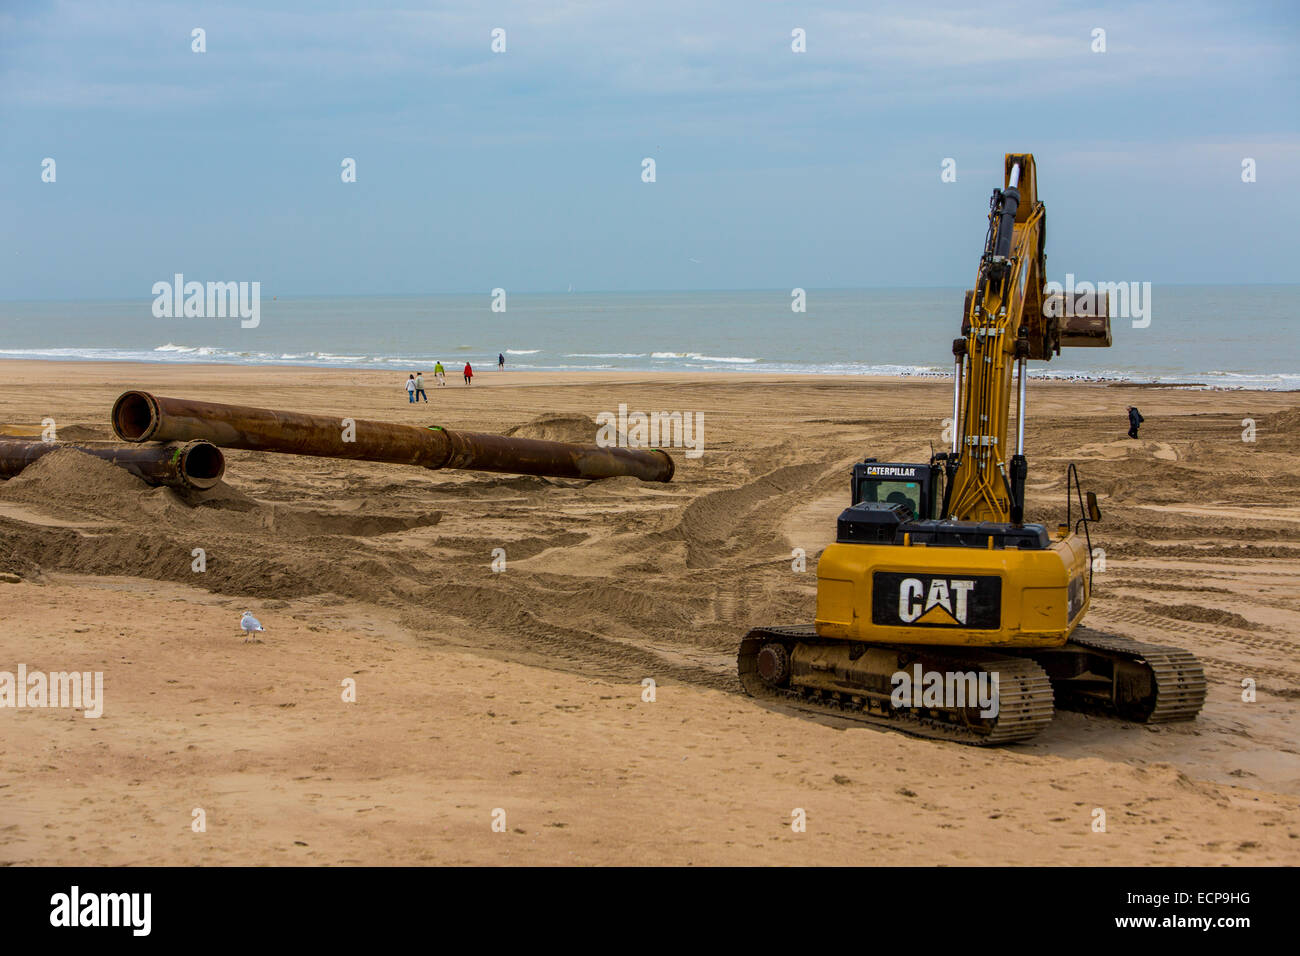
{"x": 196, "y": 465}
{"x": 141, "y": 416}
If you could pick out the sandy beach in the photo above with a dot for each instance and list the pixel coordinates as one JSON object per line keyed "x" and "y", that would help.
{"x": 517, "y": 695}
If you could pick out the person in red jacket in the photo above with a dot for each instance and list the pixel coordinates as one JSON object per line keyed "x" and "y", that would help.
{"x": 469, "y": 374}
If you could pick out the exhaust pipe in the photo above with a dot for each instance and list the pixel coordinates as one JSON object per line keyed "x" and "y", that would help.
{"x": 195, "y": 465}
{"x": 141, "y": 416}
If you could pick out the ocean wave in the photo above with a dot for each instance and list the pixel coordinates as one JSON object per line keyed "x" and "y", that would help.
{"x": 522, "y": 351}
{"x": 604, "y": 355}
{"x": 698, "y": 357}
{"x": 520, "y": 366}
{"x": 174, "y": 353}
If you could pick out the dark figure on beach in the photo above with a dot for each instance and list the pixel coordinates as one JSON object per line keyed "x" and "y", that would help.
{"x": 501, "y": 362}
{"x": 469, "y": 374}
{"x": 419, "y": 388}
{"x": 1134, "y": 420}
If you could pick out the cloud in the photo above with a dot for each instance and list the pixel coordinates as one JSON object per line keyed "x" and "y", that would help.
{"x": 134, "y": 55}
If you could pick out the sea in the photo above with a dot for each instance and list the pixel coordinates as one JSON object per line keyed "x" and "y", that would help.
{"x": 1213, "y": 336}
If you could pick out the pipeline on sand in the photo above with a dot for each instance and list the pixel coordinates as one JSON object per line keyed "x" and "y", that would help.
{"x": 196, "y": 465}
{"x": 140, "y": 416}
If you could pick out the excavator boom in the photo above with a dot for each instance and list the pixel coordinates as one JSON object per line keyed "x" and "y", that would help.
{"x": 989, "y": 482}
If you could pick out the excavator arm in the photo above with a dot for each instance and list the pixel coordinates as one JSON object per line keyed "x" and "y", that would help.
{"x": 1004, "y": 325}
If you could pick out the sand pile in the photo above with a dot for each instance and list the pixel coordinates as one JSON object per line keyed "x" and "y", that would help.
{"x": 1280, "y": 430}
{"x": 251, "y": 547}
{"x": 1200, "y": 614}
{"x": 66, "y": 480}
{"x": 70, "y": 478}
{"x": 554, "y": 426}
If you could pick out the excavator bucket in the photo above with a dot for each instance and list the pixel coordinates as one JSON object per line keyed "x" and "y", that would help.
{"x": 1084, "y": 321}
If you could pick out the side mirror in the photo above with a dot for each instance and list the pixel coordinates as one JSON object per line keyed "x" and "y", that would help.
{"x": 1094, "y": 510}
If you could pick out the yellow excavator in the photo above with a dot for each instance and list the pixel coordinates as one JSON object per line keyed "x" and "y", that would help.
{"x": 940, "y": 611}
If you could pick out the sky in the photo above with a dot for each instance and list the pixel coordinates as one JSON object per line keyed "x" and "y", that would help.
{"x": 523, "y": 169}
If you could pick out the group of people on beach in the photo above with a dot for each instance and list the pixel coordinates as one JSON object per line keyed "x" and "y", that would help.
{"x": 415, "y": 381}
{"x": 415, "y": 389}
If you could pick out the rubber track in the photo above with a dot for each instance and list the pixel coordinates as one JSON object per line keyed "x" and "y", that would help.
{"x": 1179, "y": 678}
{"x": 1025, "y": 702}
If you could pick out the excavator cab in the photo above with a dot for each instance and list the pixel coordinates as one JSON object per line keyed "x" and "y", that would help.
{"x": 896, "y": 483}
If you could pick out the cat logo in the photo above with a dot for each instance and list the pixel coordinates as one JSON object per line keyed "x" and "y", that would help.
{"x": 919, "y": 600}
{"x": 944, "y": 602}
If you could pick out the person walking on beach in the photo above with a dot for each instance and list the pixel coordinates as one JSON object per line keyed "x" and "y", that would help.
{"x": 501, "y": 362}
{"x": 410, "y": 389}
{"x": 1134, "y": 420}
{"x": 469, "y": 374}
{"x": 440, "y": 373}
{"x": 419, "y": 388}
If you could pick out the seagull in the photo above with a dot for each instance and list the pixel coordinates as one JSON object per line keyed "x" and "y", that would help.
{"x": 248, "y": 624}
